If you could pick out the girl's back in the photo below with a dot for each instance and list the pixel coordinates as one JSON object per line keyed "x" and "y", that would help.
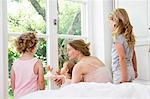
{"x": 27, "y": 73}
{"x": 26, "y": 81}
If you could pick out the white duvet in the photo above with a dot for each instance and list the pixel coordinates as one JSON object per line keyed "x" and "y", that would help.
{"x": 95, "y": 91}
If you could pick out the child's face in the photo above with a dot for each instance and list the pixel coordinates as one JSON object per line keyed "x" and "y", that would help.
{"x": 112, "y": 24}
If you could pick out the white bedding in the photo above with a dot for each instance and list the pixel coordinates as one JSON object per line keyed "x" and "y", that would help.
{"x": 95, "y": 91}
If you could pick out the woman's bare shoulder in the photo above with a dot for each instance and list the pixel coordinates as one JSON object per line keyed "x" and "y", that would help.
{"x": 80, "y": 64}
{"x": 96, "y": 60}
{"x": 78, "y": 67}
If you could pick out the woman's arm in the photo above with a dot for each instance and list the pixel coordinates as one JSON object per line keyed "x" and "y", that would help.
{"x": 134, "y": 63}
{"x": 41, "y": 81}
{"x": 77, "y": 74}
{"x": 12, "y": 76}
{"x": 121, "y": 53}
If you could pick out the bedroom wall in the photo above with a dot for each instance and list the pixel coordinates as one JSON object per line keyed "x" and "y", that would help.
{"x": 98, "y": 29}
{"x": 101, "y": 31}
{"x": 143, "y": 61}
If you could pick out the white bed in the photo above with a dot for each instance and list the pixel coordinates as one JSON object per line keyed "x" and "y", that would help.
{"x": 95, "y": 91}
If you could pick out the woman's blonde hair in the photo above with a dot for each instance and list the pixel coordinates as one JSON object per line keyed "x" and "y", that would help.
{"x": 81, "y": 46}
{"x": 26, "y": 42}
{"x": 122, "y": 25}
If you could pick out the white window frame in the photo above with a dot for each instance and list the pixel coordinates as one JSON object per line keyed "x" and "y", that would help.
{"x": 3, "y": 51}
{"x": 52, "y": 56}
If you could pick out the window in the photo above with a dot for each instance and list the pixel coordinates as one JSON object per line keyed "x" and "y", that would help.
{"x": 55, "y": 21}
{"x": 71, "y": 24}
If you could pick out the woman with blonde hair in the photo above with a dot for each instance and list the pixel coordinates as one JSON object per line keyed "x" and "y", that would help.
{"x": 124, "y": 66}
{"x": 88, "y": 68}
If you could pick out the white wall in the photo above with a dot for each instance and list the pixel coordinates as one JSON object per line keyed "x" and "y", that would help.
{"x": 107, "y": 8}
{"x": 100, "y": 29}
{"x": 3, "y": 50}
{"x": 143, "y": 61}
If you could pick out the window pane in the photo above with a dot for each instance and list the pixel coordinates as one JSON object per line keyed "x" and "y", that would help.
{"x": 62, "y": 49}
{"x": 26, "y": 15}
{"x": 13, "y": 55}
{"x": 69, "y": 14}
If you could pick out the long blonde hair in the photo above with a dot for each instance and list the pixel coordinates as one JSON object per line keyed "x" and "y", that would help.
{"x": 122, "y": 26}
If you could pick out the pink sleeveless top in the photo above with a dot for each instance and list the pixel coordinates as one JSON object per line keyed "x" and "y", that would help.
{"x": 100, "y": 75}
{"x": 26, "y": 81}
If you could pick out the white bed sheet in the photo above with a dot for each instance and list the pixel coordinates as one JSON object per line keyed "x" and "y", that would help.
{"x": 95, "y": 91}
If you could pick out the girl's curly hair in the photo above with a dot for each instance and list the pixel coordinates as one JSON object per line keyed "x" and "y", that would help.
{"x": 26, "y": 42}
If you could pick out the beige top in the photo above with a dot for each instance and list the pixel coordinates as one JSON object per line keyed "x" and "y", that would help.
{"x": 100, "y": 75}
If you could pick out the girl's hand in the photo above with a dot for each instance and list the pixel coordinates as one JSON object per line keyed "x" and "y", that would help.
{"x": 49, "y": 68}
{"x": 59, "y": 80}
{"x": 136, "y": 75}
{"x": 58, "y": 71}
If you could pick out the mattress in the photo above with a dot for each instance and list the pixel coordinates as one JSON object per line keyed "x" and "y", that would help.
{"x": 93, "y": 90}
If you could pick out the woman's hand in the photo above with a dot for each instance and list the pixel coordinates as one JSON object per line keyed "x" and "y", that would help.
{"x": 58, "y": 79}
{"x": 136, "y": 75}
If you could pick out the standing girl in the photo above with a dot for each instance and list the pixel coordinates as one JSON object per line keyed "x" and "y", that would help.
{"x": 124, "y": 66}
{"x": 27, "y": 73}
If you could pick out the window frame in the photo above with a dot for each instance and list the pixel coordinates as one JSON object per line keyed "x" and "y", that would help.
{"x": 3, "y": 51}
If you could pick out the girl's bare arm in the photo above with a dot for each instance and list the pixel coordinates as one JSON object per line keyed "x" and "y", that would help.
{"x": 122, "y": 61}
